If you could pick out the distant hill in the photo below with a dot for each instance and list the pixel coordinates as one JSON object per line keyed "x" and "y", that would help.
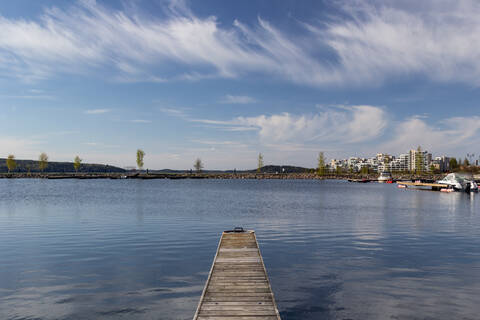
{"x": 265, "y": 169}
{"x": 32, "y": 166}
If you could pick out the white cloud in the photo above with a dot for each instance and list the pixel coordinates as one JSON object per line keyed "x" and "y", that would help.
{"x": 140, "y": 121}
{"x": 449, "y": 136}
{"x": 229, "y": 99}
{"x": 341, "y": 125}
{"x": 97, "y": 111}
{"x": 371, "y": 43}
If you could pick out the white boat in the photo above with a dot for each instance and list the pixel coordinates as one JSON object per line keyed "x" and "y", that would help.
{"x": 385, "y": 176}
{"x": 459, "y": 182}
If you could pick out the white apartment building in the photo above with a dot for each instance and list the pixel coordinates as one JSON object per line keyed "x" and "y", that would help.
{"x": 385, "y": 162}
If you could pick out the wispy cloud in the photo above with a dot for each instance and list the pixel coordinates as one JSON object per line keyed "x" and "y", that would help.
{"x": 175, "y": 112}
{"x": 369, "y": 44}
{"x": 229, "y": 99}
{"x": 97, "y": 111}
{"x": 47, "y": 135}
{"x": 140, "y": 121}
{"x": 29, "y": 97}
{"x": 345, "y": 125}
{"x": 92, "y": 144}
{"x": 224, "y": 143}
{"x": 99, "y": 144}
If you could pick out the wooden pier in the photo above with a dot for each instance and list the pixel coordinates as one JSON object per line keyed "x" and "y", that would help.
{"x": 433, "y": 186}
{"x": 237, "y": 286}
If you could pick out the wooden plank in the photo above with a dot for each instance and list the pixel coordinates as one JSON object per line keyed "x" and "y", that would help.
{"x": 236, "y": 282}
{"x": 237, "y": 286}
{"x": 423, "y": 184}
{"x": 255, "y": 307}
{"x": 237, "y": 313}
{"x": 238, "y": 299}
{"x": 238, "y": 318}
{"x": 235, "y": 294}
{"x": 237, "y": 303}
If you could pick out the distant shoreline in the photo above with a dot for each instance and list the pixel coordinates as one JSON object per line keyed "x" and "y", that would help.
{"x": 178, "y": 176}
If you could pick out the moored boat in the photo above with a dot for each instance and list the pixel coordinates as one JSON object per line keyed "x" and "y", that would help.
{"x": 459, "y": 182}
{"x": 385, "y": 176}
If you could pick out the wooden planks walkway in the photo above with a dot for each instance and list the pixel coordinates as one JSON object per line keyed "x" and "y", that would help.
{"x": 423, "y": 184}
{"x": 237, "y": 286}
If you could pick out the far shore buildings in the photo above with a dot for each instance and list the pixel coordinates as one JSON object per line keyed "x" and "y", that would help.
{"x": 412, "y": 161}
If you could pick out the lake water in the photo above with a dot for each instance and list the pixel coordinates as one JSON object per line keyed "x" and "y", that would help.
{"x": 133, "y": 249}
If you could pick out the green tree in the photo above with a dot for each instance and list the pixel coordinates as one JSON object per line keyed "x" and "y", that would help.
{"x": 339, "y": 170}
{"x": 260, "y": 162}
{"x": 386, "y": 160}
{"x": 198, "y": 165}
{"x": 419, "y": 161}
{"x": 140, "y": 156}
{"x": 321, "y": 164}
{"x": 42, "y": 161}
{"x": 365, "y": 170}
{"x": 77, "y": 162}
{"x": 11, "y": 163}
{"x": 466, "y": 163}
{"x": 453, "y": 164}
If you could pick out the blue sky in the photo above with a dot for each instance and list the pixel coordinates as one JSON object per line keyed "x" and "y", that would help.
{"x": 225, "y": 80}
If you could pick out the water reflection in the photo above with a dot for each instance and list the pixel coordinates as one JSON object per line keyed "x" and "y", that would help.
{"x": 142, "y": 249}
{"x": 139, "y": 193}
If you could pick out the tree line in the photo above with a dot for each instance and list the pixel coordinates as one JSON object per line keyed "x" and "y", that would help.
{"x": 198, "y": 165}
{"x": 42, "y": 162}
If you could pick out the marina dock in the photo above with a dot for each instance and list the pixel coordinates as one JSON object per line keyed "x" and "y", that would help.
{"x": 433, "y": 186}
{"x": 237, "y": 286}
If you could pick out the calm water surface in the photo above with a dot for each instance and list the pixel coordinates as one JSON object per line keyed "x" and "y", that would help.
{"x": 113, "y": 249}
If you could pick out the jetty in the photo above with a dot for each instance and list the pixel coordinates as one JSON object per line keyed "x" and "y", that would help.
{"x": 237, "y": 286}
{"x": 433, "y": 186}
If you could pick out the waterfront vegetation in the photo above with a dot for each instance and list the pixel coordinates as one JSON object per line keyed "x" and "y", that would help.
{"x": 11, "y": 164}
{"x": 321, "y": 164}
{"x": 419, "y": 160}
{"x": 30, "y": 168}
{"x": 260, "y": 163}
{"x": 43, "y": 161}
{"x": 77, "y": 162}
{"x": 198, "y": 165}
{"x": 140, "y": 156}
